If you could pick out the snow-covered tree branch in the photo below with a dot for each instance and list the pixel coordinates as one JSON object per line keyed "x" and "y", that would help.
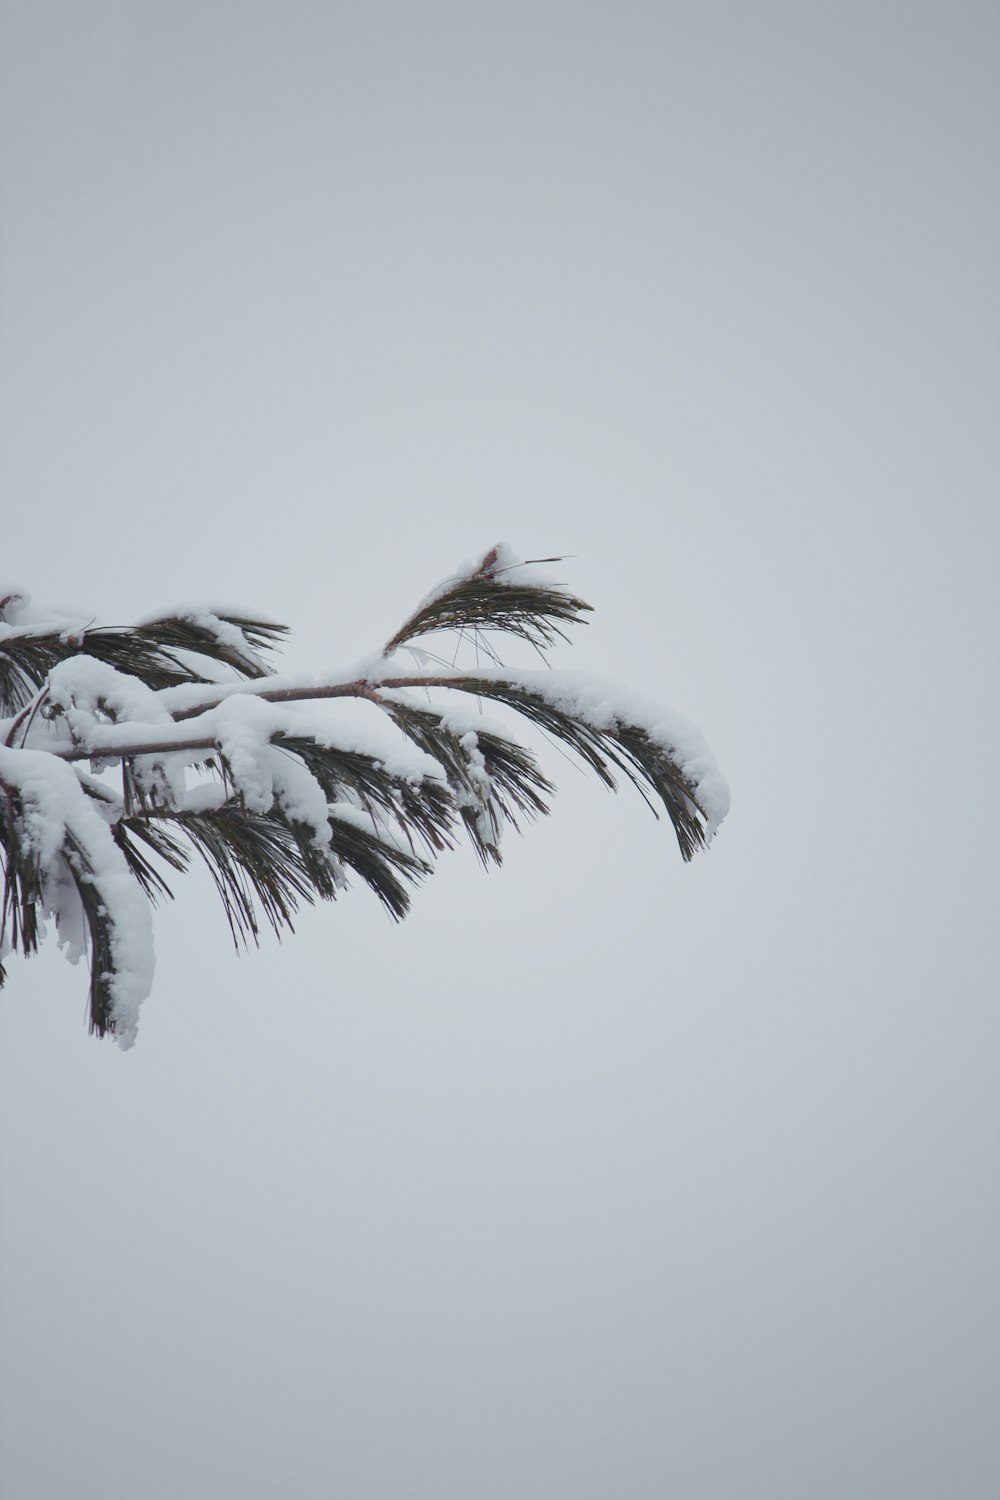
{"x": 125, "y": 750}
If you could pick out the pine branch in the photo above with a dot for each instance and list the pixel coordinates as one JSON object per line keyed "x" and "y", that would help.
{"x": 624, "y": 746}
{"x": 100, "y": 926}
{"x": 28, "y": 655}
{"x": 22, "y": 891}
{"x": 27, "y": 658}
{"x": 629, "y": 748}
{"x": 278, "y": 834}
{"x": 61, "y": 860}
{"x": 269, "y": 861}
{"x": 234, "y": 640}
{"x": 137, "y": 827}
{"x": 251, "y": 858}
{"x": 493, "y": 779}
{"x": 423, "y": 810}
{"x": 381, "y": 865}
{"x": 495, "y": 597}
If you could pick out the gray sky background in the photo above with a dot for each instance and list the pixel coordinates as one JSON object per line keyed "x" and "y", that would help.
{"x": 600, "y": 1176}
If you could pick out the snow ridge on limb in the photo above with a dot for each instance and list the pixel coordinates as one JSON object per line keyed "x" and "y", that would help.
{"x": 127, "y": 752}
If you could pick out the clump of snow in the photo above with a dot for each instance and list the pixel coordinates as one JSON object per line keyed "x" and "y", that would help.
{"x": 202, "y": 613}
{"x": 13, "y": 600}
{"x": 17, "y": 612}
{"x": 84, "y": 687}
{"x": 56, "y": 814}
{"x": 261, "y": 772}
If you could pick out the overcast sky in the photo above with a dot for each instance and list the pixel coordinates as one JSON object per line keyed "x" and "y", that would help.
{"x": 602, "y": 1175}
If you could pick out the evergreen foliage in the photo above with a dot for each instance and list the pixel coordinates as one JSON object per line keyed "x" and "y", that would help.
{"x": 125, "y": 751}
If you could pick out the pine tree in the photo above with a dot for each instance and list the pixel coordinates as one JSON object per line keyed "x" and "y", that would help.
{"x": 126, "y": 750}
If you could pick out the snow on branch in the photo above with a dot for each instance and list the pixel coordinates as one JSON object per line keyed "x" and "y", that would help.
{"x": 228, "y": 636}
{"x": 161, "y": 651}
{"x": 63, "y": 862}
{"x": 126, "y": 751}
{"x": 608, "y": 727}
{"x": 500, "y": 592}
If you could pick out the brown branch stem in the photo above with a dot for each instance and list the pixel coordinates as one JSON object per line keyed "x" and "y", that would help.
{"x": 358, "y": 689}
